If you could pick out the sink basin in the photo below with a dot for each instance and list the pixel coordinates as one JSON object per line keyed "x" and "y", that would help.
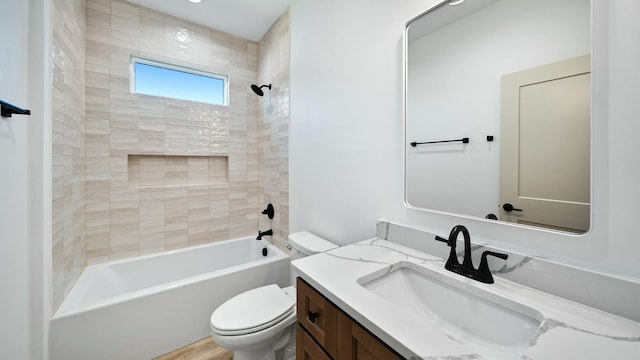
{"x": 492, "y": 326}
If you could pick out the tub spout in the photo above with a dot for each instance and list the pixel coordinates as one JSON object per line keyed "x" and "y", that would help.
{"x": 263, "y": 233}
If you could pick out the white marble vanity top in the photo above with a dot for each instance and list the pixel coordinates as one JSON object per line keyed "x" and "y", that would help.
{"x": 569, "y": 330}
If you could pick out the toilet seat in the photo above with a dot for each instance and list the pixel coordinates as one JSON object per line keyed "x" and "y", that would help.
{"x": 252, "y": 311}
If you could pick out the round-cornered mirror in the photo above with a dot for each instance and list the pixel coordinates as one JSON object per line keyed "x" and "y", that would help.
{"x": 497, "y": 111}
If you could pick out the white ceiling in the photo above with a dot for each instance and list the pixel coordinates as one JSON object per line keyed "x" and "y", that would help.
{"x": 248, "y": 19}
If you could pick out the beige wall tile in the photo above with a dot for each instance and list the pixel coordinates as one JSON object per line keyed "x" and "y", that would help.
{"x": 69, "y": 221}
{"x": 273, "y": 129}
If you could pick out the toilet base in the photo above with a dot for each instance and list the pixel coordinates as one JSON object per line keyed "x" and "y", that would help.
{"x": 288, "y": 352}
{"x": 285, "y": 351}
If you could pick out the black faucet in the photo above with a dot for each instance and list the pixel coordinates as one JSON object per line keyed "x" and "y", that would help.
{"x": 264, "y": 233}
{"x": 482, "y": 274}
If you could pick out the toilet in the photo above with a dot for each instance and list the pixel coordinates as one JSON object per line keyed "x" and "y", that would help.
{"x": 259, "y": 324}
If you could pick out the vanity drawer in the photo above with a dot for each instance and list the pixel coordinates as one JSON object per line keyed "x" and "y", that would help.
{"x": 318, "y": 316}
{"x": 307, "y": 348}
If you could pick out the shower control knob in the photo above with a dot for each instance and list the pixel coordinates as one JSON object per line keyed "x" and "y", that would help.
{"x": 509, "y": 208}
{"x": 269, "y": 211}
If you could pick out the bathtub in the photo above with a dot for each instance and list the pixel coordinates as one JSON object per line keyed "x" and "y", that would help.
{"x": 144, "y": 307}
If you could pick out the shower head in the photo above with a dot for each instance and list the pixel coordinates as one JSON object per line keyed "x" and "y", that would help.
{"x": 258, "y": 89}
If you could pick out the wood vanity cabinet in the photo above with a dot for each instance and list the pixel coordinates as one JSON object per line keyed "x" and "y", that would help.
{"x": 325, "y": 332}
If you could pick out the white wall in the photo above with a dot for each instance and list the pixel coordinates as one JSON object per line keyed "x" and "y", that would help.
{"x": 40, "y": 183}
{"x": 25, "y": 182}
{"x": 624, "y": 128}
{"x": 346, "y": 132}
{"x": 14, "y": 255}
{"x": 346, "y": 125}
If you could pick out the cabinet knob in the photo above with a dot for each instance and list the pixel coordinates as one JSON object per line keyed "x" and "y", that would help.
{"x": 312, "y": 316}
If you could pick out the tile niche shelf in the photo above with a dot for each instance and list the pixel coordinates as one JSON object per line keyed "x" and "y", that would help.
{"x": 157, "y": 171}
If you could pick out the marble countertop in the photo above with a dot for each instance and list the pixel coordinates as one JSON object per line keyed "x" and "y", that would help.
{"x": 569, "y": 330}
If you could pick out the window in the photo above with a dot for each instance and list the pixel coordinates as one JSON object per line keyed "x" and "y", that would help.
{"x": 155, "y": 78}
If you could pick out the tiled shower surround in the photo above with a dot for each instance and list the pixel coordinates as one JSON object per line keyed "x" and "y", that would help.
{"x": 157, "y": 174}
{"x": 273, "y": 128}
{"x": 68, "y": 144}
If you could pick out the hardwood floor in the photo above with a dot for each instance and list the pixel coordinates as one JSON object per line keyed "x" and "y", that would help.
{"x": 204, "y": 349}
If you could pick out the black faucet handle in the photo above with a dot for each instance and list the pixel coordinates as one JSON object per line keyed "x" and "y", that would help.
{"x": 484, "y": 274}
{"x": 452, "y": 263}
{"x": 493, "y": 253}
{"x": 440, "y": 238}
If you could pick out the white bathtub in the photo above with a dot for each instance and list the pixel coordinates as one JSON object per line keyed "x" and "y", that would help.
{"x": 144, "y": 307}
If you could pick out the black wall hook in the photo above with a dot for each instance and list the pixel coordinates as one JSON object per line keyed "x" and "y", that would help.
{"x": 269, "y": 211}
{"x": 6, "y": 110}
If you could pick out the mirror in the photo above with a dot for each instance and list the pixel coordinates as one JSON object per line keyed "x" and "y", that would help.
{"x": 512, "y": 77}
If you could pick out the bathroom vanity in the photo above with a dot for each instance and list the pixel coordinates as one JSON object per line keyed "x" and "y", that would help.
{"x": 326, "y": 332}
{"x": 459, "y": 63}
{"x": 382, "y": 298}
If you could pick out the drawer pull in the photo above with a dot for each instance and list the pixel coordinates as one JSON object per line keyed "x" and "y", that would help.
{"x": 312, "y": 316}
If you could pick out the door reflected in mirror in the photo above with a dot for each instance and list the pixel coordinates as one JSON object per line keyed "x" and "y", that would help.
{"x": 512, "y": 76}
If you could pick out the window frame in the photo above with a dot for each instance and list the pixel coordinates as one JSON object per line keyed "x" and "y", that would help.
{"x": 176, "y": 67}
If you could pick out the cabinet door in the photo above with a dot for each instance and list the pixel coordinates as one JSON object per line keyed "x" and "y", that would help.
{"x": 306, "y": 348}
{"x": 356, "y": 343}
{"x": 317, "y": 315}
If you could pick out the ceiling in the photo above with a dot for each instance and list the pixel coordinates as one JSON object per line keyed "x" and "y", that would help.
{"x": 248, "y": 19}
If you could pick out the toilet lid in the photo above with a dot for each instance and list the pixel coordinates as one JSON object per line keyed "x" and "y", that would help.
{"x": 252, "y": 311}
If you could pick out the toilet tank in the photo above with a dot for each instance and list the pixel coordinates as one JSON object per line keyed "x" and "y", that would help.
{"x": 304, "y": 243}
